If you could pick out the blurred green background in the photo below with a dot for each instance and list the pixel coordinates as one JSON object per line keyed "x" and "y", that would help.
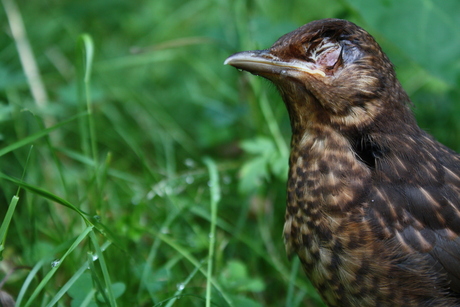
{"x": 177, "y": 162}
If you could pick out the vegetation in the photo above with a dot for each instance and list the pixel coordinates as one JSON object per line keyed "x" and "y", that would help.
{"x": 137, "y": 170}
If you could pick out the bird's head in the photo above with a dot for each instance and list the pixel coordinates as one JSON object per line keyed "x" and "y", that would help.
{"x": 331, "y": 69}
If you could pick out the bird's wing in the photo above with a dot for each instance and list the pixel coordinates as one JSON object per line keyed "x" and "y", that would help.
{"x": 423, "y": 214}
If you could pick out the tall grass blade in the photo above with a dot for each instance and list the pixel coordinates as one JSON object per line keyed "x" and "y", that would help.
{"x": 105, "y": 271}
{"x": 215, "y": 198}
{"x": 6, "y": 223}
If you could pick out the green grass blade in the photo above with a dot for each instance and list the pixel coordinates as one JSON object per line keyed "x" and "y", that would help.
{"x": 85, "y": 42}
{"x": 181, "y": 288}
{"x": 88, "y": 298}
{"x": 105, "y": 271}
{"x": 56, "y": 266}
{"x": 292, "y": 277}
{"x": 87, "y": 46}
{"x": 47, "y": 195}
{"x": 85, "y": 49}
{"x": 63, "y": 290}
{"x": 96, "y": 280}
{"x": 29, "y": 139}
{"x": 90, "y": 162}
{"x": 29, "y": 279}
{"x": 215, "y": 198}
{"x": 6, "y": 223}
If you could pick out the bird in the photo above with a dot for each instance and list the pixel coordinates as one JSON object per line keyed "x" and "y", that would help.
{"x": 373, "y": 201}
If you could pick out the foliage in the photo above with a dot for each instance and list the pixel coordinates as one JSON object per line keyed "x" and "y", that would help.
{"x": 107, "y": 197}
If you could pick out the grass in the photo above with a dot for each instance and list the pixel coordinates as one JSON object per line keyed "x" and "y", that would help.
{"x": 137, "y": 170}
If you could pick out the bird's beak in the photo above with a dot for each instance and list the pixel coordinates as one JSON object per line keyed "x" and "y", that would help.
{"x": 264, "y": 63}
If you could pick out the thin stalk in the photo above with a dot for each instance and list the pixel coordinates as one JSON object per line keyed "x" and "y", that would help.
{"x": 215, "y": 198}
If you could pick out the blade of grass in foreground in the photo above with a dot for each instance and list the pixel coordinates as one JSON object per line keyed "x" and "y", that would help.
{"x": 180, "y": 288}
{"x": 291, "y": 285}
{"x": 28, "y": 280}
{"x": 65, "y": 288}
{"x": 47, "y": 195}
{"x": 88, "y": 135}
{"x": 6, "y": 223}
{"x": 9, "y": 214}
{"x": 105, "y": 271}
{"x": 215, "y": 198}
{"x": 85, "y": 51}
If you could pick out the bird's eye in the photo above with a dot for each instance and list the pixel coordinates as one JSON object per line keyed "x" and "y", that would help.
{"x": 330, "y": 57}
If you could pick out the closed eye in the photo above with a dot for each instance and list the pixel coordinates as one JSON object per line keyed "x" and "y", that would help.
{"x": 326, "y": 49}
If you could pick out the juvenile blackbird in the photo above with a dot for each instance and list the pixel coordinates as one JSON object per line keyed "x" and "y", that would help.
{"x": 373, "y": 202}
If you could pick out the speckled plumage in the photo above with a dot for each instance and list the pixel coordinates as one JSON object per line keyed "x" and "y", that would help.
{"x": 373, "y": 202}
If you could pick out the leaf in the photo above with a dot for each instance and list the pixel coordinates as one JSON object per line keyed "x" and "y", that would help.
{"x": 267, "y": 160}
{"x": 154, "y": 281}
{"x": 426, "y": 31}
{"x": 118, "y": 289}
{"x": 252, "y": 173}
{"x": 235, "y": 276}
{"x": 279, "y": 165}
{"x": 81, "y": 287}
{"x": 260, "y": 145}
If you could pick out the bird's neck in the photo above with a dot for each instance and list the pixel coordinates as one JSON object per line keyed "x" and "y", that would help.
{"x": 331, "y": 166}
{"x": 304, "y": 110}
{"x": 332, "y": 155}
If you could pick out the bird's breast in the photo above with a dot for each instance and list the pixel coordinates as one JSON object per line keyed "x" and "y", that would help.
{"x": 325, "y": 220}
